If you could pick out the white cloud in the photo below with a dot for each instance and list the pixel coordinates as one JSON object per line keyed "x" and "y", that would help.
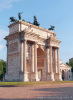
{"x": 3, "y": 33}
{"x": 6, "y": 4}
{"x": 1, "y": 47}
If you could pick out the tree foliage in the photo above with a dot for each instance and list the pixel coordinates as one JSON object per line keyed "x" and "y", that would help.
{"x": 2, "y": 68}
{"x": 70, "y": 63}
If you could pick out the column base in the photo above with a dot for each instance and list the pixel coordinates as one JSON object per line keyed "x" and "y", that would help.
{"x": 58, "y": 77}
{"x": 25, "y": 77}
{"x": 50, "y": 77}
{"x": 36, "y": 77}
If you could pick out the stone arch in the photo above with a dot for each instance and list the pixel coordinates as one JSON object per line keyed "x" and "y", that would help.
{"x": 40, "y": 57}
{"x": 41, "y": 64}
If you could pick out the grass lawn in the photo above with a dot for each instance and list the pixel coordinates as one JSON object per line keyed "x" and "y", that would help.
{"x": 34, "y": 83}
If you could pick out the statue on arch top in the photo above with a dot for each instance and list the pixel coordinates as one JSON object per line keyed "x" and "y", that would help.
{"x": 12, "y": 19}
{"x": 51, "y": 27}
{"x": 35, "y": 21}
{"x": 19, "y": 15}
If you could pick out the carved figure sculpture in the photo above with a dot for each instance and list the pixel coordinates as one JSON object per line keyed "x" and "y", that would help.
{"x": 52, "y": 28}
{"x": 12, "y": 19}
{"x": 19, "y": 15}
{"x": 35, "y": 21}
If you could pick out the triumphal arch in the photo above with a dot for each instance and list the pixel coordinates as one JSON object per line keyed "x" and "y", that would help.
{"x": 32, "y": 53}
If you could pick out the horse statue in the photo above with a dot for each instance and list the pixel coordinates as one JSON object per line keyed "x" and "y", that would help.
{"x": 35, "y": 21}
{"x": 51, "y": 28}
{"x": 12, "y": 19}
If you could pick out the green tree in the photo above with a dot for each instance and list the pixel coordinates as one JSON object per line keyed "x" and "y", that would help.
{"x": 70, "y": 63}
{"x": 2, "y": 68}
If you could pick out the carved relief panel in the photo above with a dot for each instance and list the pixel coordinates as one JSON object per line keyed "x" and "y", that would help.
{"x": 13, "y": 47}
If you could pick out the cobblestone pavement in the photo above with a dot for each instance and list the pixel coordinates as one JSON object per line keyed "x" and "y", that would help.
{"x": 38, "y": 92}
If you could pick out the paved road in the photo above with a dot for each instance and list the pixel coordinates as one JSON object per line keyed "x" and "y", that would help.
{"x": 62, "y": 91}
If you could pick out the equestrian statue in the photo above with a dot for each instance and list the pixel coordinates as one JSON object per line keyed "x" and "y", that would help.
{"x": 12, "y": 19}
{"x": 51, "y": 27}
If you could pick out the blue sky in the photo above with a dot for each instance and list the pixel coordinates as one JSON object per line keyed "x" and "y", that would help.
{"x": 49, "y": 12}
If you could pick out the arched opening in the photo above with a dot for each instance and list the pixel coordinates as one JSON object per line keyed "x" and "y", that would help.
{"x": 40, "y": 63}
{"x": 40, "y": 57}
{"x": 63, "y": 76}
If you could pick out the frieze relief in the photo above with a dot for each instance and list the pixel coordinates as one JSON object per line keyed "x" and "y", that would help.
{"x": 13, "y": 47}
{"x": 35, "y": 39}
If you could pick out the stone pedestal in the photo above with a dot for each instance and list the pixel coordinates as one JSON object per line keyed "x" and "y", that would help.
{"x": 26, "y": 77}
{"x": 58, "y": 76}
{"x": 36, "y": 77}
{"x": 23, "y": 76}
{"x": 32, "y": 76}
{"x": 50, "y": 77}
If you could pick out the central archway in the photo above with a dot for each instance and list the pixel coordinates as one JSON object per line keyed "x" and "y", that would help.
{"x": 41, "y": 63}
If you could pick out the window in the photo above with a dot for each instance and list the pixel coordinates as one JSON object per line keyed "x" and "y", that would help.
{"x": 69, "y": 76}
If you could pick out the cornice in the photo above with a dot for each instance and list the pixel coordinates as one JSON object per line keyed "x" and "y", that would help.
{"x": 11, "y": 36}
{"x": 54, "y": 39}
{"x": 33, "y": 26}
{"x": 33, "y": 34}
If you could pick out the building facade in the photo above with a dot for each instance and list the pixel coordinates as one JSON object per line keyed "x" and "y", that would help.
{"x": 66, "y": 72}
{"x": 31, "y": 53}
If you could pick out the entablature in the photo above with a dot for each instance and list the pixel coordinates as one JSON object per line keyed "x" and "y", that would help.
{"x": 52, "y": 41}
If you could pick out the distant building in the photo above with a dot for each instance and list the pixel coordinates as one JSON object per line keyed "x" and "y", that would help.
{"x": 66, "y": 72}
{"x": 31, "y": 54}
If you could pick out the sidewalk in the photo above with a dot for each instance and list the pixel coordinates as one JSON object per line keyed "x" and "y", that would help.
{"x": 38, "y": 92}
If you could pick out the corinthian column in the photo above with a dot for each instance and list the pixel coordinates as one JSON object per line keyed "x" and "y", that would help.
{"x": 32, "y": 59}
{"x": 7, "y": 60}
{"x": 35, "y": 61}
{"x": 50, "y": 59}
{"x": 35, "y": 57}
{"x": 25, "y": 61}
{"x": 58, "y": 66}
{"x": 21, "y": 50}
{"x": 55, "y": 61}
{"x": 58, "y": 76}
{"x": 51, "y": 74}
